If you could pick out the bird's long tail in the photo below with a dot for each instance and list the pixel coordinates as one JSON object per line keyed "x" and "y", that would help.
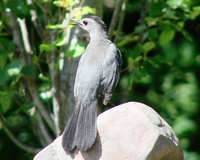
{"x": 81, "y": 131}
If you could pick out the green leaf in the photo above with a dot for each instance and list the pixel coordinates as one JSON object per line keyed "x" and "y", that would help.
{"x": 65, "y": 3}
{"x": 4, "y": 41}
{"x": 44, "y": 78}
{"x": 151, "y": 20}
{"x": 166, "y": 36}
{"x": 46, "y": 47}
{"x": 5, "y": 102}
{"x": 136, "y": 51}
{"x": 3, "y": 59}
{"x": 79, "y": 12}
{"x": 153, "y": 62}
{"x": 148, "y": 46}
{"x": 4, "y": 77}
{"x": 75, "y": 50}
{"x": 166, "y": 25}
{"x": 54, "y": 26}
{"x": 139, "y": 72}
{"x": 131, "y": 79}
{"x": 153, "y": 33}
{"x": 46, "y": 95}
{"x": 126, "y": 40}
{"x": 87, "y": 10}
{"x": 187, "y": 35}
{"x": 139, "y": 28}
{"x": 28, "y": 70}
{"x": 14, "y": 67}
{"x": 156, "y": 9}
{"x": 60, "y": 42}
{"x": 175, "y": 3}
{"x": 195, "y": 12}
{"x": 130, "y": 63}
{"x": 180, "y": 24}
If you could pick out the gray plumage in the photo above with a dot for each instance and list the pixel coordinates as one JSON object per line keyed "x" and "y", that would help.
{"x": 97, "y": 74}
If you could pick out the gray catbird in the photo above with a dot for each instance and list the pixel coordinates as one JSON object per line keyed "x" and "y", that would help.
{"x": 97, "y": 74}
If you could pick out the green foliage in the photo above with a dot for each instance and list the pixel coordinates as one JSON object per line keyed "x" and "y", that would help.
{"x": 75, "y": 50}
{"x": 28, "y": 70}
{"x": 160, "y": 65}
{"x": 46, "y": 47}
{"x": 162, "y": 70}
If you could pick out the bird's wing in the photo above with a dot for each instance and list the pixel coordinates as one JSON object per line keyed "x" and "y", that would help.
{"x": 111, "y": 71}
{"x": 77, "y": 78}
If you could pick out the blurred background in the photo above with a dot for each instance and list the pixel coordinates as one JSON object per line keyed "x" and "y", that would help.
{"x": 39, "y": 53}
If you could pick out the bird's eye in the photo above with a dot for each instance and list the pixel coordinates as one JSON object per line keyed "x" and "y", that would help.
{"x": 85, "y": 22}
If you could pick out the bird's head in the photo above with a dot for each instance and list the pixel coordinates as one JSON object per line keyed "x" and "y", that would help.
{"x": 91, "y": 24}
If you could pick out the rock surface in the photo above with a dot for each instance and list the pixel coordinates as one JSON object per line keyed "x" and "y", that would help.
{"x": 131, "y": 131}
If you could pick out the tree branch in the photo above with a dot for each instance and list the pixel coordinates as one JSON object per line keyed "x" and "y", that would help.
{"x": 16, "y": 34}
{"x": 15, "y": 140}
{"x": 114, "y": 18}
{"x": 45, "y": 137}
{"x": 35, "y": 20}
{"x": 142, "y": 20}
{"x": 54, "y": 72}
{"x": 121, "y": 20}
{"x": 24, "y": 33}
{"x": 144, "y": 8}
{"x": 31, "y": 82}
{"x": 38, "y": 103}
{"x": 144, "y": 29}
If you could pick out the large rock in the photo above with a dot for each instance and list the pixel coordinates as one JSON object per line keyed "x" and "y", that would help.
{"x": 131, "y": 131}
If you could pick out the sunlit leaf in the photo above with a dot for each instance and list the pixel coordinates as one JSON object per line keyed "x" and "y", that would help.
{"x": 60, "y": 42}
{"x": 87, "y": 10}
{"x": 195, "y": 12}
{"x": 13, "y": 71}
{"x": 79, "y": 12}
{"x": 54, "y": 26}
{"x": 174, "y": 3}
{"x": 46, "y": 95}
{"x": 75, "y": 50}
{"x": 14, "y": 67}
{"x": 65, "y": 3}
{"x": 46, "y": 47}
{"x": 42, "y": 77}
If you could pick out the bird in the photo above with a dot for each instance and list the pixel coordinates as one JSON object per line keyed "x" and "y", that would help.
{"x": 97, "y": 74}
